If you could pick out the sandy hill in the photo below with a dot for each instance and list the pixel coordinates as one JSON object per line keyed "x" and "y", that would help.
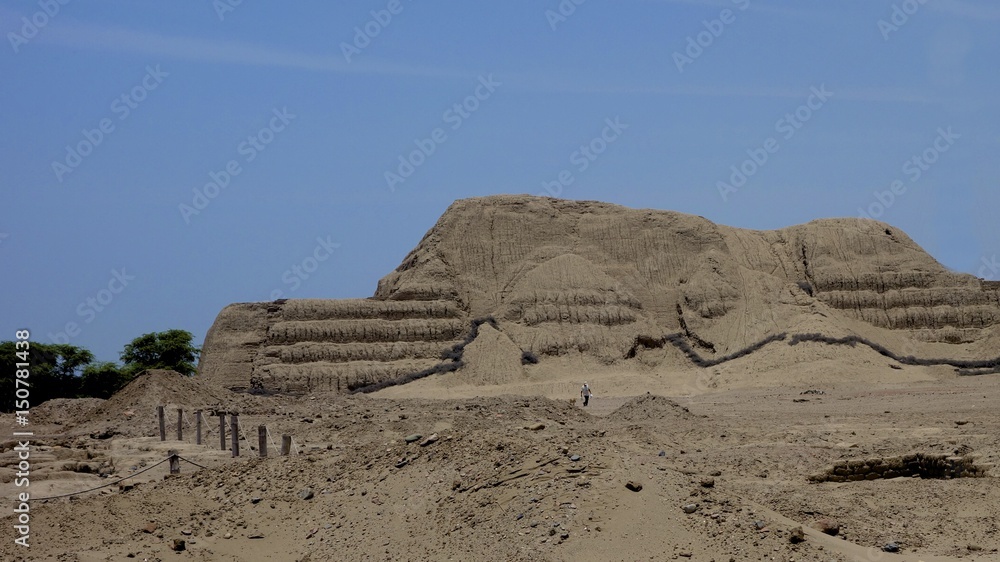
{"x": 612, "y": 287}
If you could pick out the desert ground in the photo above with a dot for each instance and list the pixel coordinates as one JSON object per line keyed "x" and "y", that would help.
{"x": 724, "y": 472}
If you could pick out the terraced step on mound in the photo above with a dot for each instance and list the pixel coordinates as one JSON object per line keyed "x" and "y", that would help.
{"x": 319, "y": 345}
{"x": 365, "y": 331}
{"x": 367, "y": 309}
{"x": 313, "y": 352}
{"x": 340, "y": 377}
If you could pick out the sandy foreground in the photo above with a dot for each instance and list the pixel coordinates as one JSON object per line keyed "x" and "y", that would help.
{"x": 518, "y": 478}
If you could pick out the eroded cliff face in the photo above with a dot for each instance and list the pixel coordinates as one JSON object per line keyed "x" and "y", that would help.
{"x": 566, "y": 277}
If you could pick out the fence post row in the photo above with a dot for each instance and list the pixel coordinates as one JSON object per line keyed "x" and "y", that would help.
{"x": 234, "y": 430}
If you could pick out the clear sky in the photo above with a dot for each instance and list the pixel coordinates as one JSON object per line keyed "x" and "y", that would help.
{"x": 159, "y": 161}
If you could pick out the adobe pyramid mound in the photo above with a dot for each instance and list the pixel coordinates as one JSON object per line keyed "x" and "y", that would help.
{"x": 565, "y": 278}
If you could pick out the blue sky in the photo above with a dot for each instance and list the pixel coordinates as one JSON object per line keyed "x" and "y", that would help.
{"x": 118, "y": 115}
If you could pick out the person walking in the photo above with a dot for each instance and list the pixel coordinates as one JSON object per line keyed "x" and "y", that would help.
{"x": 585, "y": 393}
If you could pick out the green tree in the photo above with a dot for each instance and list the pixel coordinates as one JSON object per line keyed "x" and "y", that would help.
{"x": 54, "y": 371}
{"x": 161, "y": 350}
{"x": 101, "y": 380}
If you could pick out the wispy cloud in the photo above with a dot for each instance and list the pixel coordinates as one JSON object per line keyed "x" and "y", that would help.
{"x": 752, "y": 5}
{"x": 80, "y": 35}
{"x": 856, "y": 93}
{"x": 966, "y": 9}
{"x": 120, "y": 40}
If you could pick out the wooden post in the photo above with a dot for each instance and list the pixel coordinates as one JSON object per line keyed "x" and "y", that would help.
{"x": 175, "y": 462}
{"x": 197, "y": 426}
{"x": 163, "y": 427}
{"x": 286, "y": 445}
{"x": 262, "y": 440}
{"x": 180, "y": 424}
{"x": 235, "y": 429}
{"x": 222, "y": 429}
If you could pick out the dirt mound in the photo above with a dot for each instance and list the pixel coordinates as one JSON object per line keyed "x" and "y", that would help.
{"x": 491, "y": 359}
{"x": 160, "y": 387}
{"x": 132, "y": 410}
{"x": 651, "y": 407}
{"x": 65, "y": 411}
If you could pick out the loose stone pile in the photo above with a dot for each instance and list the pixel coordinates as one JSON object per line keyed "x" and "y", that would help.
{"x": 920, "y": 465}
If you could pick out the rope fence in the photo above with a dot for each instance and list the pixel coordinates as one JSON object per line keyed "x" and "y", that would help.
{"x": 191, "y": 462}
{"x": 104, "y": 485}
{"x": 172, "y": 457}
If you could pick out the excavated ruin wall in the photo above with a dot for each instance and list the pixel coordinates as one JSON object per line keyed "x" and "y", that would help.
{"x": 914, "y": 465}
